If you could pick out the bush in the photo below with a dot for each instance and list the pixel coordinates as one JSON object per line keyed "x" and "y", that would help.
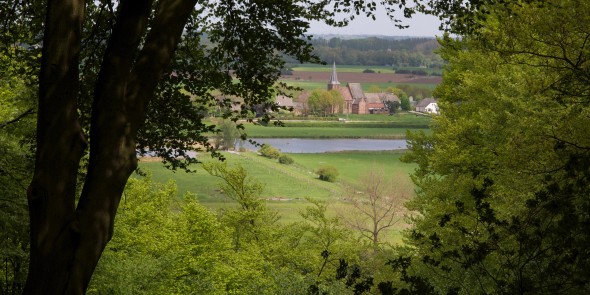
{"x": 368, "y": 71}
{"x": 269, "y": 152}
{"x": 284, "y": 159}
{"x": 327, "y": 173}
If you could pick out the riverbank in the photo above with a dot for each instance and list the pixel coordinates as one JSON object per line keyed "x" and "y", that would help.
{"x": 306, "y": 145}
{"x": 349, "y": 126}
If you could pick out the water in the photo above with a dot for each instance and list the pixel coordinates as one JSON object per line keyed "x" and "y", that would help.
{"x": 301, "y": 145}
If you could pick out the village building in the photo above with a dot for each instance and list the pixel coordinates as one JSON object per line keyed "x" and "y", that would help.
{"x": 427, "y": 105}
{"x": 358, "y": 102}
{"x": 284, "y": 101}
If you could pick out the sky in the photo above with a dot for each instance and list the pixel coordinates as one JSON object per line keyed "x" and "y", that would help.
{"x": 420, "y": 26}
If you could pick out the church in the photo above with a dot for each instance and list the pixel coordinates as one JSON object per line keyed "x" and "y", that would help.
{"x": 358, "y": 102}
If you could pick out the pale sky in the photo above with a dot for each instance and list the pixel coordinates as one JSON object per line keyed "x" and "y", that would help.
{"x": 420, "y": 25}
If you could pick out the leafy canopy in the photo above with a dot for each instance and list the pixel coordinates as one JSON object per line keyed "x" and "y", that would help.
{"x": 502, "y": 203}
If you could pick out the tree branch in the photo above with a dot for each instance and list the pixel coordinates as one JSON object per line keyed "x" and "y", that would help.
{"x": 24, "y": 114}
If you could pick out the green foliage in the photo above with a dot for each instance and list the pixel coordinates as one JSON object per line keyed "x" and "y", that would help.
{"x": 325, "y": 103}
{"x": 327, "y": 173}
{"x": 368, "y": 71}
{"x": 392, "y": 106}
{"x": 285, "y": 159}
{"x": 266, "y": 150}
{"x": 502, "y": 203}
{"x": 405, "y": 103}
{"x": 166, "y": 245}
{"x": 17, "y": 126}
{"x": 162, "y": 246}
{"x": 374, "y": 89}
{"x": 227, "y": 136}
{"x": 418, "y": 92}
{"x": 376, "y": 51}
{"x": 246, "y": 191}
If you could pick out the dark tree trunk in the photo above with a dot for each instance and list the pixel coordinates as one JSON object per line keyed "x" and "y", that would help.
{"x": 67, "y": 241}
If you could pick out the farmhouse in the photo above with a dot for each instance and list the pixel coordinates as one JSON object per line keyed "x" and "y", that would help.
{"x": 427, "y": 105}
{"x": 284, "y": 101}
{"x": 358, "y": 102}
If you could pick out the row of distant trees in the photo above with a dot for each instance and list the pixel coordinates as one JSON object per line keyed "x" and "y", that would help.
{"x": 379, "y": 51}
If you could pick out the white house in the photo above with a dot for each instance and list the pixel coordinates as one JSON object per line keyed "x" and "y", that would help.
{"x": 427, "y": 105}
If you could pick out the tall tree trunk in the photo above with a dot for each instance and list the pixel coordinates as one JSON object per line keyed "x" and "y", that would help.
{"x": 60, "y": 144}
{"x": 67, "y": 241}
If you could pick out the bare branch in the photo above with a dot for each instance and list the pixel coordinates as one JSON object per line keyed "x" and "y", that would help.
{"x": 30, "y": 111}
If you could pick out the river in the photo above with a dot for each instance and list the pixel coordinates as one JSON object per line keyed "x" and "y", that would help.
{"x": 304, "y": 145}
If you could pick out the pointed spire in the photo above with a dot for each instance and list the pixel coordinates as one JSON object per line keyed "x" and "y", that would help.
{"x": 333, "y": 84}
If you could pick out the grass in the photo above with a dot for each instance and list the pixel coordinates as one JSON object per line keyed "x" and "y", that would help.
{"x": 313, "y": 85}
{"x": 341, "y": 68}
{"x": 357, "y": 68}
{"x": 286, "y": 186}
{"x": 326, "y": 132}
{"x": 384, "y": 86}
{"x": 357, "y": 126}
{"x": 367, "y": 121}
{"x": 352, "y": 165}
{"x": 306, "y": 84}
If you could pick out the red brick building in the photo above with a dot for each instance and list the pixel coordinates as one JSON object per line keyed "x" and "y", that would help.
{"x": 358, "y": 102}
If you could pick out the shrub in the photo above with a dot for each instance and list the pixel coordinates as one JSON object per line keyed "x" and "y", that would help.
{"x": 284, "y": 159}
{"x": 368, "y": 71}
{"x": 287, "y": 72}
{"x": 327, "y": 173}
{"x": 269, "y": 152}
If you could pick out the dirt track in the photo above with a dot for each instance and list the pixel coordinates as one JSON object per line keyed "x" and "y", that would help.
{"x": 363, "y": 78}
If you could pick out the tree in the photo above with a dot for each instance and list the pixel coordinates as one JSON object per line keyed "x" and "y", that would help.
{"x": 378, "y": 204}
{"x": 99, "y": 80}
{"x": 228, "y": 136}
{"x": 181, "y": 256}
{"x": 392, "y": 106}
{"x": 238, "y": 186}
{"x": 16, "y": 161}
{"x": 326, "y": 102}
{"x": 405, "y": 103}
{"x": 502, "y": 182}
{"x": 375, "y": 89}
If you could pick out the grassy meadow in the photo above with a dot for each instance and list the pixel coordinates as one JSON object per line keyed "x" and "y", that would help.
{"x": 342, "y": 68}
{"x": 313, "y": 85}
{"x": 287, "y": 186}
{"x": 356, "y": 126}
{"x": 257, "y": 131}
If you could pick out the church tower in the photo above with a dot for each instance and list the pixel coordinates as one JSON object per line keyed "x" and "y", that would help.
{"x": 333, "y": 84}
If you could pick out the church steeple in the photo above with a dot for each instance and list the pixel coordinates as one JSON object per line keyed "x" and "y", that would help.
{"x": 333, "y": 84}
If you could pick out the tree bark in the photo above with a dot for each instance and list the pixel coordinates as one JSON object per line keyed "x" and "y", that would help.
{"x": 67, "y": 241}
{"x": 60, "y": 144}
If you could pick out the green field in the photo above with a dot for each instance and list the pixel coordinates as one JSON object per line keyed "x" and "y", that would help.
{"x": 341, "y": 68}
{"x": 357, "y": 68}
{"x": 384, "y": 86}
{"x": 326, "y": 132}
{"x": 286, "y": 186}
{"x": 356, "y": 126}
{"x": 312, "y": 85}
{"x": 306, "y": 85}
